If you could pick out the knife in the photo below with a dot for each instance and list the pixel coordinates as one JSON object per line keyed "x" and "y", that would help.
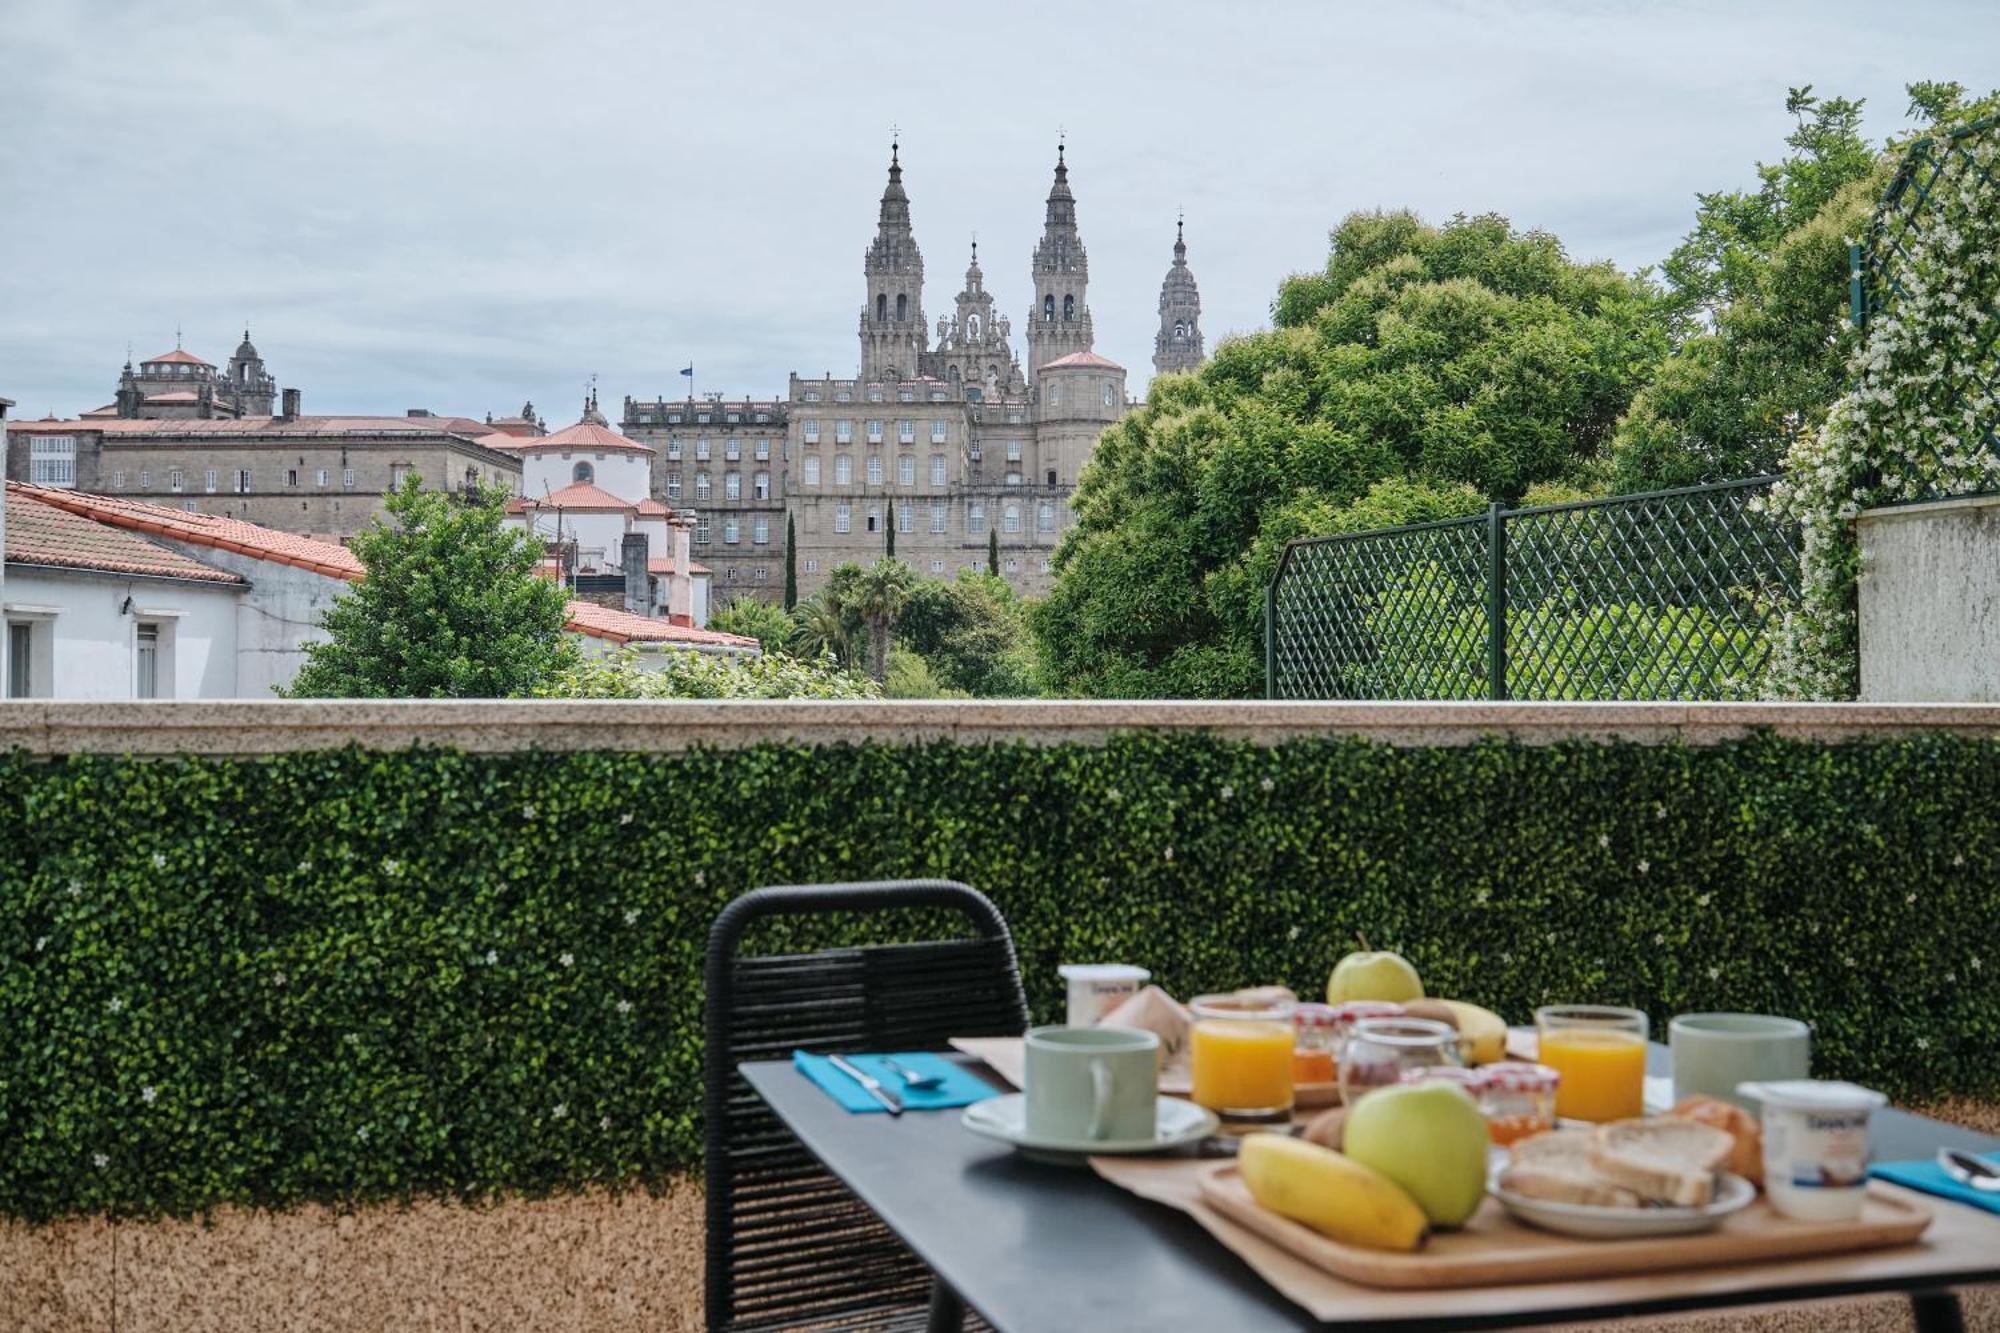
{"x": 870, "y": 1084}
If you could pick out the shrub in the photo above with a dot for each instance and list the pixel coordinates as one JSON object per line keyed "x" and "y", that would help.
{"x": 354, "y": 975}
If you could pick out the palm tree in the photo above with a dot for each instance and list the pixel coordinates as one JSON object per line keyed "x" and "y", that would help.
{"x": 819, "y": 626}
{"x": 878, "y": 595}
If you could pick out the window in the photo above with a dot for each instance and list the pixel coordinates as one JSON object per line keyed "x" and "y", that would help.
{"x": 937, "y": 432}
{"x": 1109, "y": 400}
{"x": 763, "y": 451}
{"x": 291, "y": 476}
{"x": 176, "y": 481}
{"x": 906, "y": 470}
{"x": 732, "y": 417}
{"x": 937, "y": 470}
{"x": 701, "y": 486}
{"x": 760, "y": 530}
{"x": 843, "y": 470}
{"x": 1069, "y": 307}
{"x": 1013, "y": 479}
{"x": 701, "y": 449}
{"x": 145, "y": 480}
{"x": 1013, "y": 451}
{"x": 118, "y": 480}
{"x": 874, "y": 469}
{"x": 583, "y": 472}
{"x": 701, "y": 529}
{"x": 243, "y": 481}
{"x": 1010, "y": 520}
{"x": 732, "y": 448}
{"x": 906, "y": 431}
{"x": 732, "y": 485}
{"x": 874, "y": 518}
{"x": 843, "y": 432}
{"x": 398, "y": 471}
{"x": 1052, "y": 476}
{"x": 874, "y": 393}
{"x": 1055, "y": 395}
{"x": 906, "y": 395}
{"x": 874, "y": 432}
{"x": 674, "y": 449}
{"x": 812, "y": 566}
{"x": 975, "y": 516}
{"x": 1045, "y": 518}
{"x": 52, "y": 460}
{"x": 208, "y": 480}
{"x": 937, "y": 566}
{"x": 146, "y": 661}
{"x": 674, "y": 485}
{"x": 811, "y": 430}
{"x": 937, "y": 515}
{"x": 319, "y": 478}
{"x": 1049, "y": 309}
{"x": 1011, "y": 565}
{"x": 881, "y": 307}
{"x": 812, "y": 395}
{"x": 347, "y": 479}
{"x": 842, "y": 517}
{"x": 812, "y": 469}
{"x": 20, "y": 659}
{"x": 758, "y": 573}
{"x": 904, "y": 516}
{"x": 760, "y": 485}
{"x": 731, "y": 530}
{"x": 843, "y": 395}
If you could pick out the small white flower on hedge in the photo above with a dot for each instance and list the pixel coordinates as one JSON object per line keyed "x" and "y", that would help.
{"x": 149, "y": 1094}
{"x": 1644, "y": 866}
{"x": 1111, "y": 794}
{"x": 1228, "y": 793}
{"x": 1977, "y": 964}
{"x": 566, "y": 959}
{"x": 1959, "y": 859}
{"x": 1714, "y": 972}
{"x": 700, "y": 877}
{"x": 528, "y": 812}
{"x": 631, "y": 916}
{"x": 391, "y": 866}
{"x": 305, "y": 867}
{"x": 1923, "y": 1043}
{"x": 41, "y": 943}
{"x": 560, "y": 1111}
{"x": 1659, "y": 811}
{"x": 278, "y": 978}
{"x": 1168, "y": 854}
{"x": 362, "y": 1133}
{"x": 159, "y": 860}
{"x": 1293, "y": 933}
{"x": 605, "y": 1123}
{"x": 625, "y": 818}
{"x": 352, "y": 1039}
{"x": 1604, "y": 840}
{"x": 1703, "y": 900}
{"x": 76, "y": 888}
{"x": 99, "y": 1160}
{"x": 492, "y": 957}
{"x": 1659, "y": 939}
{"x": 1909, "y": 897}
{"x": 624, "y": 1006}
{"x": 116, "y": 1003}
{"x": 1267, "y": 784}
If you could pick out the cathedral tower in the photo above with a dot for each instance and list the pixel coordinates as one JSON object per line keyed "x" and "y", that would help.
{"x": 893, "y": 337}
{"x": 1059, "y": 322}
{"x": 972, "y": 346}
{"x": 250, "y": 384}
{"x": 1178, "y": 346}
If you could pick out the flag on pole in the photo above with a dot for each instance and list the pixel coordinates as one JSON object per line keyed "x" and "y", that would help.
{"x": 688, "y": 370}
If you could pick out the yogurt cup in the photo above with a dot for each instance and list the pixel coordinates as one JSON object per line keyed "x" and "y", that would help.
{"x": 1815, "y": 1146}
{"x": 1095, "y": 989}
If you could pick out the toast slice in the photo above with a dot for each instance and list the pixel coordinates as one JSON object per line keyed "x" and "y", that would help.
{"x": 1556, "y": 1166}
{"x": 1673, "y": 1161}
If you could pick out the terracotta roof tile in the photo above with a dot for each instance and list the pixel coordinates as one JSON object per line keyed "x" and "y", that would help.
{"x": 664, "y": 564}
{"x": 576, "y": 495}
{"x": 585, "y": 437}
{"x": 40, "y": 533}
{"x": 225, "y": 534}
{"x": 601, "y": 622}
{"x": 415, "y": 428}
{"x": 1084, "y": 361}
{"x": 177, "y": 357}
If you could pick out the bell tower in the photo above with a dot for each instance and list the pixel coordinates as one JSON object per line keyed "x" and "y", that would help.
{"x": 894, "y": 340}
{"x": 1059, "y": 319}
{"x": 1178, "y": 346}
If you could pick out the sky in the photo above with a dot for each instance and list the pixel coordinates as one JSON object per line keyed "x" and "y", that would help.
{"x": 461, "y": 206}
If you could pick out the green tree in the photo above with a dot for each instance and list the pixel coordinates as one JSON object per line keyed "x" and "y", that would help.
{"x": 877, "y": 594}
{"x": 791, "y": 562}
{"x": 822, "y": 627}
{"x": 683, "y": 674}
{"x": 1471, "y": 361}
{"x": 993, "y": 552}
{"x": 760, "y": 620}
{"x": 450, "y": 608}
{"x": 972, "y": 633}
{"x": 889, "y": 526}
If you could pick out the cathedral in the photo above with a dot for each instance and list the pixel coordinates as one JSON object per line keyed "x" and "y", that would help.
{"x": 945, "y": 447}
{"x": 179, "y": 384}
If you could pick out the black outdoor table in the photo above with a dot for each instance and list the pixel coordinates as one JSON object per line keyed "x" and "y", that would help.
{"x": 1035, "y": 1248}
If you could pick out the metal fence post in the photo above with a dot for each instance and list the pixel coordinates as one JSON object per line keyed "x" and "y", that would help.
{"x": 1271, "y": 635}
{"x": 1496, "y": 602}
{"x": 1857, "y": 293}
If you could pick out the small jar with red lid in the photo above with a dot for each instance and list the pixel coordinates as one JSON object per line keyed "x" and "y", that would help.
{"x": 1472, "y": 1080}
{"x": 1316, "y": 1043}
{"x": 1519, "y": 1099}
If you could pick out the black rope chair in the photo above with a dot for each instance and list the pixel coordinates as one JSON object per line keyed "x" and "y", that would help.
{"x": 788, "y": 1245}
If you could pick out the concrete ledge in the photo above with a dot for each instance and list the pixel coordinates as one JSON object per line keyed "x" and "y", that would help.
{"x": 253, "y": 727}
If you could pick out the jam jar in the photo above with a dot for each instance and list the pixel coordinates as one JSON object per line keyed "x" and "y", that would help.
{"x": 1519, "y": 1099}
{"x": 1379, "y": 1050}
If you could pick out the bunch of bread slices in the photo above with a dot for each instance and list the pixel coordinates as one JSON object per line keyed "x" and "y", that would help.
{"x": 1664, "y": 1161}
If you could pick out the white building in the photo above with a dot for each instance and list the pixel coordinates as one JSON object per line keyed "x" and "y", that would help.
{"x": 109, "y": 598}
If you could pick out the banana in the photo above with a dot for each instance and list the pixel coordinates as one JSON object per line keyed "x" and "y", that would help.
{"x": 1332, "y": 1194}
{"x": 1484, "y": 1031}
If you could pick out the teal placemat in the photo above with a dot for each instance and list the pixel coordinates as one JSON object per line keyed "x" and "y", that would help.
{"x": 961, "y": 1087}
{"x": 1928, "y": 1176}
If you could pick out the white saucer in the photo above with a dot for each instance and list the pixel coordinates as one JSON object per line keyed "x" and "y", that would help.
{"x": 1576, "y": 1219}
{"x": 1005, "y": 1118}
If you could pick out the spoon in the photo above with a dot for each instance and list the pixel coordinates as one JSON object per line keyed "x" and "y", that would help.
{"x": 911, "y": 1078}
{"x": 1969, "y": 1170}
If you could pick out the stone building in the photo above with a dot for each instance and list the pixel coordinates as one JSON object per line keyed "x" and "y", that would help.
{"x": 178, "y": 385}
{"x": 322, "y": 475}
{"x": 951, "y": 443}
{"x": 1178, "y": 344}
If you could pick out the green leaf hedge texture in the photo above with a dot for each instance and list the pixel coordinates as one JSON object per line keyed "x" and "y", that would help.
{"x": 355, "y": 975}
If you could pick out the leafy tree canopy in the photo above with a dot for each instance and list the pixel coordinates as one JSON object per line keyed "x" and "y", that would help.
{"x": 763, "y": 621}
{"x": 1468, "y": 362}
{"x": 451, "y": 608}
{"x": 678, "y": 674}
{"x": 972, "y": 633}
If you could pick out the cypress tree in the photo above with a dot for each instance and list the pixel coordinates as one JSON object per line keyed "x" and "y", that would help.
{"x": 791, "y": 562}
{"x": 889, "y": 523}
{"x": 992, "y": 551}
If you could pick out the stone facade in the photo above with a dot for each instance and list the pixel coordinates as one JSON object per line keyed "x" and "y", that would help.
{"x": 178, "y": 386}
{"x": 952, "y": 443}
{"x": 1177, "y": 347}
{"x": 321, "y": 475}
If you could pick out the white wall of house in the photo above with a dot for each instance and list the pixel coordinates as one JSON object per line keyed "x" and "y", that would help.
{"x": 627, "y": 476}
{"x": 275, "y": 621}
{"x": 83, "y": 628}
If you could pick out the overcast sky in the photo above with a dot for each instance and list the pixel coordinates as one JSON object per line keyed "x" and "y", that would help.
{"x": 461, "y": 205}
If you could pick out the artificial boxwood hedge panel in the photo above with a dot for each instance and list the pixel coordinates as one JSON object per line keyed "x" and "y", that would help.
{"x": 359, "y": 975}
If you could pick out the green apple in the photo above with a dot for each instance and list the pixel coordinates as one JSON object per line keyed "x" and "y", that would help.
{"x": 1427, "y": 1137}
{"x": 1374, "y": 976}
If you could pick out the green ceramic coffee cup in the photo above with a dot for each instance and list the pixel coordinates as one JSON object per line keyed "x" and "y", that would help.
{"x": 1715, "y": 1052}
{"x": 1089, "y": 1085}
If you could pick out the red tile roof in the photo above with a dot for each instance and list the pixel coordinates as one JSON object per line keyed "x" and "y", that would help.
{"x": 586, "y": 437}
{"x": 177, "y": 396}
{"x": 224, "y": 534}
{"x": 1084, "y": 361}
{"x": 664, "y": 564}
{"x": 576, "y": 495}
{"x": 177, "y": 357}
{"x": 40, "y": 533}
{"x": 462, "y": 428}
{"x": 651, "y": 508}
{"x": 623, "y": 627}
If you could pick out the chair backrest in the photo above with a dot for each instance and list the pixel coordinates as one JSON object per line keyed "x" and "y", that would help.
{"x": 788, "y": 1244}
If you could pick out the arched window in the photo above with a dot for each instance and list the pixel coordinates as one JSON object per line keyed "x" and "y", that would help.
{"x": 1049, "y": 308}
{"x": 1052, "y": 476}
{"x": 881, "y": 305}
{"x": 902, "y": 306}
{"x": 1180, "y": 330}
{"x": 1069, "y": 307}
{"x": 1109, "y": 399}
{"x": 582, "y": 472}
{"x": 1011, "y": 518}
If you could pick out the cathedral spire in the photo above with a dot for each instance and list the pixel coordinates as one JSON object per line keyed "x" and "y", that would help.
{"x": 1178, "y": 344}
{"x": 894, "y": 340}
{"x": 1059, "y": 318}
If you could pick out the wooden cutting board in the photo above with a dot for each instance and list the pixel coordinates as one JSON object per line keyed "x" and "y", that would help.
{"x": 1495, "y": 1249}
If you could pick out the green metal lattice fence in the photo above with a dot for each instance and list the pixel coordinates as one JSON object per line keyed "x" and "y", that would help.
{"x": 1667, "y": 595}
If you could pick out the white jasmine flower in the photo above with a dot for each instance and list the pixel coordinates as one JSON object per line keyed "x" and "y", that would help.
{"x": 1909, "y": 897}
{"x": 528, "y": 812}
{"x": 41, "y": 943}
{"x": 1111, "y": 794}
{"x": 566, "y": 959}
{"x": 625, "y": 818}
{"x": 391, "y": 866}
{"x": 305, "y": 867}
{"x": 278, "y": 978}
{"x": 1604, "y": 840}
{"x": 115, "y": 1004}
{"x": 352, "y": 1039}
{"x": 1714, "y": 972}
{"x": 1267, "y": 784}
{"x": 492, "y": 957}
{"x": 1644, "y": 866}
{"x": 1659, "y": 812}
{"x": 1659, "y": 939}
{"x": 700, "y": 877}
{"x": 99, "y": 1160}
{"x": 1168, "y": 854}
{"x": 624, "y": 1006}
{"x": 560, "y": 1111}
{"x": 149, "y": 1094}
{"x": 1293, "y": 933}
{"x": 1228, "y": 793}
{"x": 76, "y": 888}
{"x": 1959, "y": 859}
{"x": 1923, "y": 1043}
{"x": 631, "y": 916}
{"x": 159, "y": 860}
{"x": 362, "y": 1133}
{"x": 1702, "y": 901}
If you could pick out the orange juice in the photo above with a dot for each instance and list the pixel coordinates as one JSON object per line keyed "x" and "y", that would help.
{"x": 1603, "y": 1073}
{"x": 1242, "y": 1065}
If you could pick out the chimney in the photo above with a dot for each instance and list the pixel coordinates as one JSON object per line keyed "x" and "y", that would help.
{"x": 680, "y": 584}
{"x": 638, "y": 588}
{"x": 290, "y": 410}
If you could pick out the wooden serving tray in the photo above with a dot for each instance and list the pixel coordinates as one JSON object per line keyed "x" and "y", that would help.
{"x": 1495, "y": 1249}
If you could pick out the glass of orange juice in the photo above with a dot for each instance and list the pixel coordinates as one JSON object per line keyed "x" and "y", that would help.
{"x": 1600, "y": 1053}
{"x": 1241, "y": 1060}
